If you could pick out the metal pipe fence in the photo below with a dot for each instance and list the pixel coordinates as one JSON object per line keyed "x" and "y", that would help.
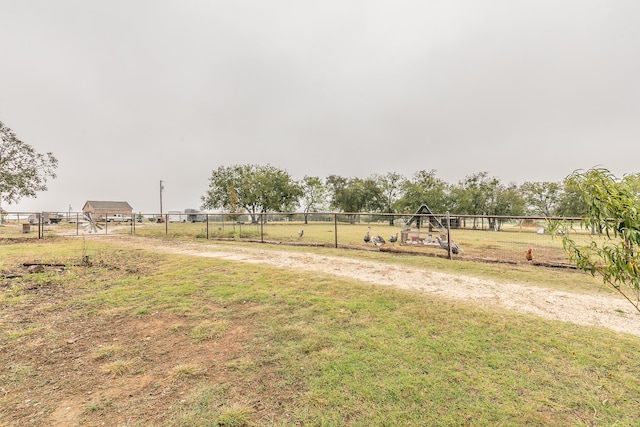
{"x": 488, "y": 238}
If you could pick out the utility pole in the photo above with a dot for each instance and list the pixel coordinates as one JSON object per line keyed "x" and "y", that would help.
{"x": 161, "y": 188}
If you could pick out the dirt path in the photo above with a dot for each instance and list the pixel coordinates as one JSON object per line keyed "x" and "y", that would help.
{"x": 593, "y": 310}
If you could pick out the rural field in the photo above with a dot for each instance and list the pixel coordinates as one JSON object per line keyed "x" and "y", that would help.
{"x": 508, "y": 245}
{"x": 172, "y": 330}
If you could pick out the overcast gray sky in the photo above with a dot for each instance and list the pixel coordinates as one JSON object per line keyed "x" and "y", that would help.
{"x": 128, "y": 93}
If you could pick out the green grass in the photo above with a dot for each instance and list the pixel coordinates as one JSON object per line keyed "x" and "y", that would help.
{"x": 336, "y": 352}
{"x": 209, "y": 330}
{"x": 560, "y": 279}
{"x": 507, "y": 245}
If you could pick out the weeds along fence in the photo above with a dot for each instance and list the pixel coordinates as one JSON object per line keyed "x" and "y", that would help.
{"x": 488, "y": 238}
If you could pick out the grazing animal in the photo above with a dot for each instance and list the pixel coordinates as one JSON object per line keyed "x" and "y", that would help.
{"x": 367, "y": 238}
{"x": 445, "y": 245}
{"x": 529, "y": 255}
{"x": 393, "y": 239}
{"x": 300, "y": 233}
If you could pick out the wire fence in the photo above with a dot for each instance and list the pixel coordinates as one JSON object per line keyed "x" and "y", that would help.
{"x": 488, "y": 238}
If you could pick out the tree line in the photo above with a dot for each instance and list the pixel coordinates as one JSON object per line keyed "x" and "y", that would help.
{"x": 255, "y": 189}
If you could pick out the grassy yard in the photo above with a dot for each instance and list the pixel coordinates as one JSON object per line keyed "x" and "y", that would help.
{"x": 139, "y": 338}
{"x": 509, "y": 244}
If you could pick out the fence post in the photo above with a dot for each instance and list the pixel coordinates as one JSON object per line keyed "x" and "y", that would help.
{"x": 77, "y": 224}
{"x": 207, "y": 218}
{"x": 261, "y": 227}
{"x": 335, "y": 228}
{"x": 449, "y": 236}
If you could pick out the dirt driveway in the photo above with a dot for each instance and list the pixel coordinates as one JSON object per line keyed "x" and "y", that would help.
{"x": 604, "y": 310}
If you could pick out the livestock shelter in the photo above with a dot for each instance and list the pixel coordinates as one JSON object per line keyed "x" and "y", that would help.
{"x": 100, "y": 209}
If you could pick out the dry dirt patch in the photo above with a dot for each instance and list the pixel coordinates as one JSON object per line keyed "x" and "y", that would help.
{"x": 111, "y": 369}
{"x": 70, "y": 367}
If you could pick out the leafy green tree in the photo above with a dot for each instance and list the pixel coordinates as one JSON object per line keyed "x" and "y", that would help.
{"x": 504, "y": 201}
{"x": 391, "y": 186}
{"x": 475, "y": 195}
{"x": 633, "y": 180}
{"x": 335, "y": 187}
{"x": 543, "y": 198}
{"x": 254, "y": 188}
{"x": 354, "y": 195}
{"x": 314, "y": 195}
{"x": 281, "y": 192}
{"x": 233, "y": 206}
{"x": 424, "y": 188}
{"x": 23, "y": 171}
{"x": 372, "y": 194}
{"x": 483, "y": 196}
{"x": 571, "y": 203}
{"x": 612, "y": 211}
{"x": 493, "y": 191}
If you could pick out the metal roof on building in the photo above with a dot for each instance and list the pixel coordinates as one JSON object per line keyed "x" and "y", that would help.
{"x": 99, "y": 204}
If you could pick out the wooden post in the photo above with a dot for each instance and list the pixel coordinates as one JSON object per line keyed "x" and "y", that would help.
{"x": 261, "y": 227}
{"x": 207, "y": 216}
{"x": 335, "y": 228}
{"x": 449, "y": 236}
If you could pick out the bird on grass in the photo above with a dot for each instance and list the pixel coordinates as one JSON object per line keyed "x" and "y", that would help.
{"x": 445, "y": 245}
{"x": 367, "y": 238}
{"x": 300, "y": 233}
{"x": 378, "y": 240}
{"x": 529, "y": 255}
{"x": 393, "y": 239}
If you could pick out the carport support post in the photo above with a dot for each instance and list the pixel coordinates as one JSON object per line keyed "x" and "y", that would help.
{"x": 449, "y": 236}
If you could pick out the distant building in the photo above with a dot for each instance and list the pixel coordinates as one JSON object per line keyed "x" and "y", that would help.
{"x": 177, "y": 216}
{"x": 102, "y": 209}
{"x": 194, "y": 215}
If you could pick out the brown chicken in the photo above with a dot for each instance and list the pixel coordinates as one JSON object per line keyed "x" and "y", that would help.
{"x": 529, "y": 255}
